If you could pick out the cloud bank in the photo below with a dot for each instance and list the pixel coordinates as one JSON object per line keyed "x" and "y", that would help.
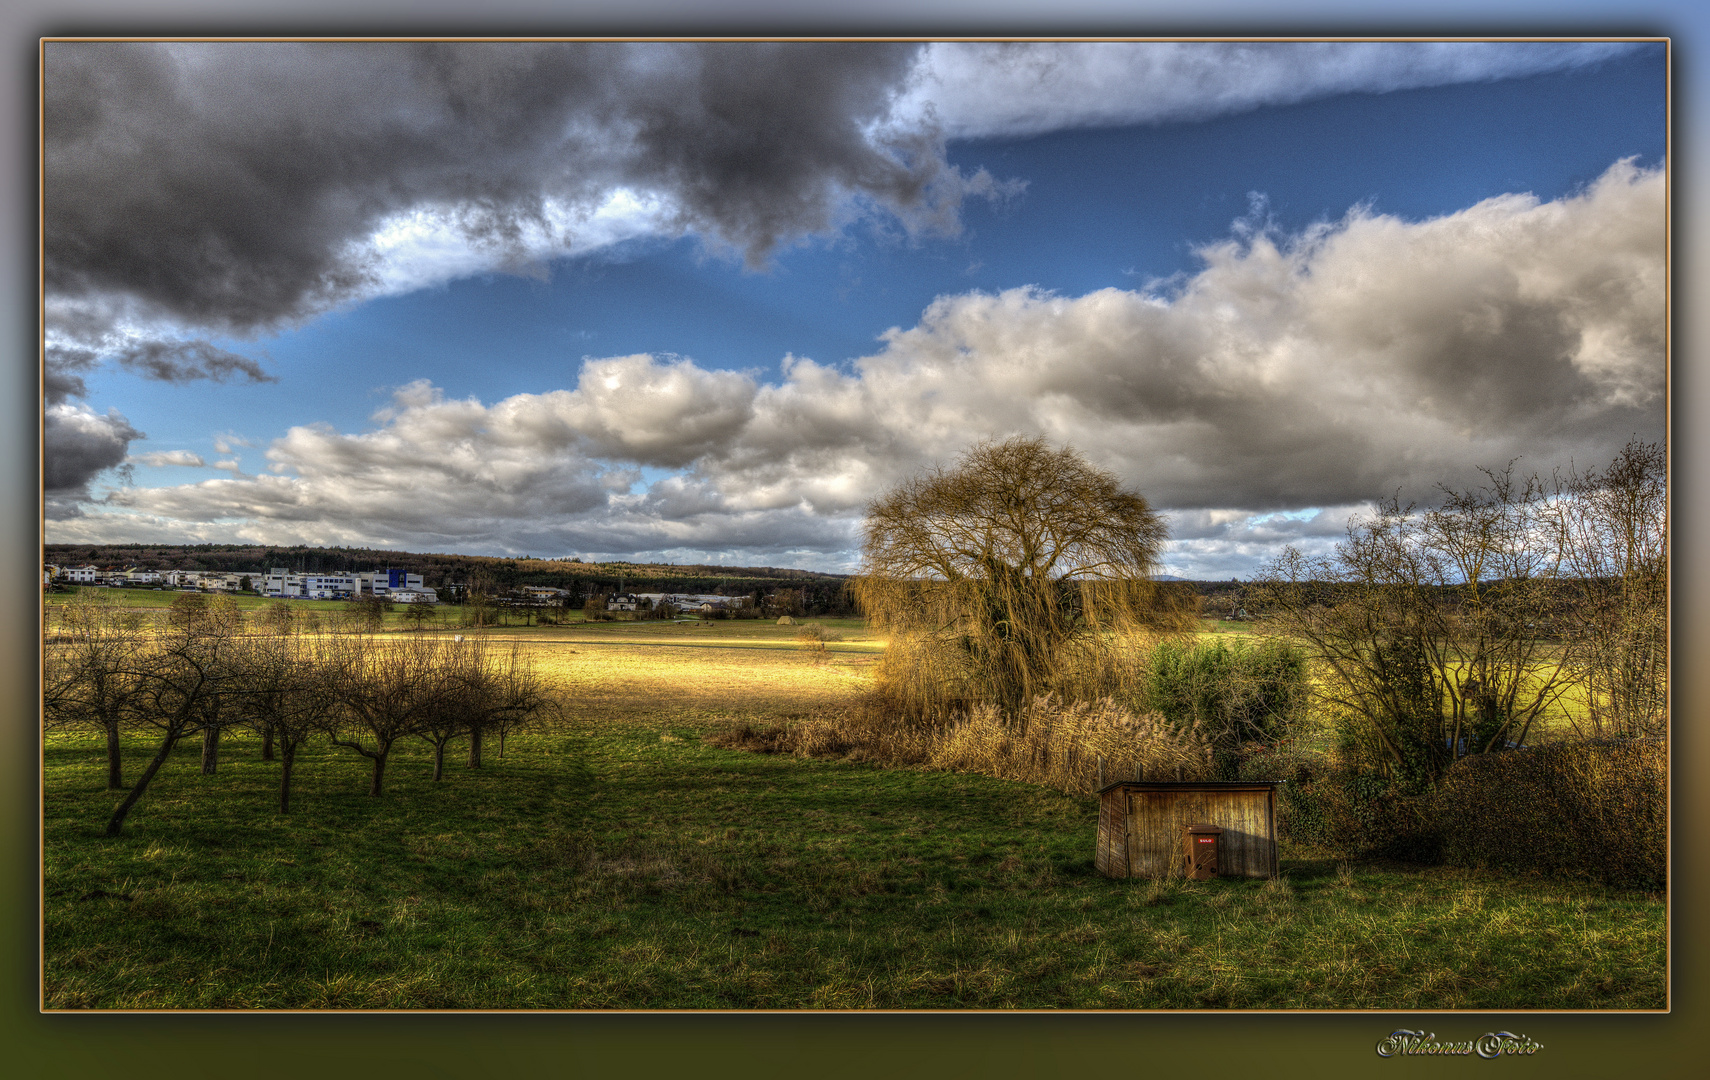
{"x": 205, "y": 191}
{"x": 1362, "y": 358}
{"x": 237, "y": 187}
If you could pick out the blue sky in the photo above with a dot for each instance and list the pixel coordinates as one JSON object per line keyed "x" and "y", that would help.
{"x": 1265, "y": 288}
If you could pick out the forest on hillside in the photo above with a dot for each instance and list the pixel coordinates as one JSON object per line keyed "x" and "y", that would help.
{"x": 440, "y": 570}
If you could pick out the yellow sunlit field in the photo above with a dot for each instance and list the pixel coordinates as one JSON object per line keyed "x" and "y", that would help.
{"x": 647, "y": 672}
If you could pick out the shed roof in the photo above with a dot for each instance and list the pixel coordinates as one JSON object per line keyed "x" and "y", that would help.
{"x": 1193, "y": 785}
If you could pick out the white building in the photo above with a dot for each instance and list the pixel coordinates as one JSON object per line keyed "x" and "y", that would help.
{"x": 281, "y": 582}
{"x": 382, "y": 582}
{"x": 80, "y": 575}
{"x": 278, "y": 582}
{"x": 391, "y": 584}
{"x": 328, "y": 586}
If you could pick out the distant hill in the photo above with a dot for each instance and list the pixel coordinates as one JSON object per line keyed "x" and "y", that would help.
{"x": 439, "y": 571}
{"x": 822, "y": 593}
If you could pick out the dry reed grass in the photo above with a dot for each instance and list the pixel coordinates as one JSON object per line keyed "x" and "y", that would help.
{"x": 1073, "y": 747}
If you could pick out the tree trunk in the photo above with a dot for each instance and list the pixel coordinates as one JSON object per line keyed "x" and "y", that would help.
{"x": 210, "y": 749}
{"x": 379, "y": 771}
{"x": 115, "y": 778}
{"x": 475, "y": 748}
{"x": 501, "y": 745}
{"x": 438, "y": 761}
{"x": 288, "y": 758}
{"x": 117, "y": 822}
{"x": 267, "y": 742}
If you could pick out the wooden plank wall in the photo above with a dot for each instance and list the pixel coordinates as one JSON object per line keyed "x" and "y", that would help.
{"x": 1111, "y": 854}
{"x": 1153, "y": 838}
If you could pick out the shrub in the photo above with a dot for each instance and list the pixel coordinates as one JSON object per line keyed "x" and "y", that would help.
{"x": 1238, "y": 693}
{"x": 1300, "y": 802}
{"x": 1596, "y": 810}
{"x": 1362, "y": 812}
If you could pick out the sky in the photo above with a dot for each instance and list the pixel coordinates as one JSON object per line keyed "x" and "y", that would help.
{"x": 703, "y": 302}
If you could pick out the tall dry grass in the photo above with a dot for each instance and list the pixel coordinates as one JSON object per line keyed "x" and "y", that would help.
{"x": 932, "y": 680}
{"x": 1073, "y": 746}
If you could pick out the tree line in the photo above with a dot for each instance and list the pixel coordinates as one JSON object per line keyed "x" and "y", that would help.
{"x": 203, "y": 671}
{"x": 494, "y": 574}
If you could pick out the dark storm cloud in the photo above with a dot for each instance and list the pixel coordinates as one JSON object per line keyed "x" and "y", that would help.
{"x": 230, "y": 187}
{"x": 63, "y": 371}
{"x": 78, "y": 444}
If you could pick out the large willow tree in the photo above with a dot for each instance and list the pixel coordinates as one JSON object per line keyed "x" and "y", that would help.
{"x": 1014, "y": 574}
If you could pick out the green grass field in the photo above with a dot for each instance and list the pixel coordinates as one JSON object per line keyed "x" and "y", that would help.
{"x": 623, "y": 863}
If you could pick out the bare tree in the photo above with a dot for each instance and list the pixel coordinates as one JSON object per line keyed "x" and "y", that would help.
{"x": 504, "y": 693}
{"x": 453, "y": 707}
{"x": 185, "y": 685}
{"x": 222, "y": 619}
{"x": 90, "y": 671}
{"x": 385, "y": 691}
{"x": 1426, "y": 626}
{"x": 369, "y": 612}
{"x": 419, "y": 615}
{"x": 286, "y": 693}
{"x": 277, "y": 618}
{"x": 1611, "y": 528}
{"x": 478, "y": 599}
{"x": 1003, "y": 577}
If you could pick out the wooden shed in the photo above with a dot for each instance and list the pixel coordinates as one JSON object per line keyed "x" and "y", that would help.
{"x": 1140, "y": 826}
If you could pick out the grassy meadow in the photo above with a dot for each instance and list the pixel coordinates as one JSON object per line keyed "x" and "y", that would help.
{"x": 621, "y": 861}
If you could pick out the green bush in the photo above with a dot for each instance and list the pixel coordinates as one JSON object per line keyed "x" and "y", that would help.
{"x": 1596, "y": 810}
{"x": 1241, "y": 694}
{"x": 1300, "y": 803}
{"x": 1365, "y": 813}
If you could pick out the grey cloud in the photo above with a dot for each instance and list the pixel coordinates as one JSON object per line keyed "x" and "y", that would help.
{"x": 183, "y": 361}
{"x": 62, "y": 373}
{"x": 664, "y": 414}
{"x": 230, "y": 187}
{"x": 79, "y": 444}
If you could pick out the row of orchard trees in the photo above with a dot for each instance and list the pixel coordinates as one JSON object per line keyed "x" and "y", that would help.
{"x": 201, "y": 672}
